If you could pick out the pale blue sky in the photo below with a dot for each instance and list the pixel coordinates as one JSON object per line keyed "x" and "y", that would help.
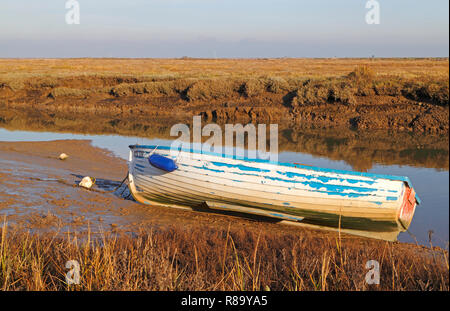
{"x": 224, "y": 28}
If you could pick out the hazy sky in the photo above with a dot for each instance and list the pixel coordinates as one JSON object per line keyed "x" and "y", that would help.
{"x": 224, "y": 28}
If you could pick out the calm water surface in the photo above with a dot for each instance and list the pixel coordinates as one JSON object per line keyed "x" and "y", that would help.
{"x": 432, "y": 185}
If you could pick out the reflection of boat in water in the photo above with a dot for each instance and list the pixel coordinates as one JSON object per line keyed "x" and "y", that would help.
{"x": 354, "y": 202}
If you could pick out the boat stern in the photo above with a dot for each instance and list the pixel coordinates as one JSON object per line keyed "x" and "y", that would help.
{"x": 408, "y": 207}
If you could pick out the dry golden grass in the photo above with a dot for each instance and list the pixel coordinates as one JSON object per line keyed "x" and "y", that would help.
{"x": 178, "y": 259}
{"x": 198, "y": 68}
{"x": 313, "y": 80}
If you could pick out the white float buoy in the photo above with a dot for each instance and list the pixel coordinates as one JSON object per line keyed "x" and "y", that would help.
{"x": 63, "y": 156}
{"x": 87, "y": 182}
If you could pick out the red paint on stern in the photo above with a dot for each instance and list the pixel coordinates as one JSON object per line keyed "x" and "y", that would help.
{"x": 406, "y": 211}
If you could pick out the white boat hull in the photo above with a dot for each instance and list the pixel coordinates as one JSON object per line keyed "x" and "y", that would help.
{"x": 350, "y": 200}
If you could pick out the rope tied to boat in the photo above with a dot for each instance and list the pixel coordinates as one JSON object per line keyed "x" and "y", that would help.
{"x": 61, "y": 181}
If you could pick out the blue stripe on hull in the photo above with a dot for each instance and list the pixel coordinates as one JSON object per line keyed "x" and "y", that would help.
{"x": 316, "y": 169}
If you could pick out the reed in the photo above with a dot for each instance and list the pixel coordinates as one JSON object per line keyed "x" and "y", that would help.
{"x": 182, "y": 259}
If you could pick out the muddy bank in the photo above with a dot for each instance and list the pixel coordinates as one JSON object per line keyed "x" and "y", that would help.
{"x": 38, "y": 192}
{"x": 370, "y": 112}
{"x": 366, "y": 96}
{"x": 361, "y": 149}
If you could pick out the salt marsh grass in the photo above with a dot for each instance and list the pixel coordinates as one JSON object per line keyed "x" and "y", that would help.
{"x": 177, "y": 259}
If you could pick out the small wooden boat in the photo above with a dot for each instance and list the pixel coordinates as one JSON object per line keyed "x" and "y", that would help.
{"x": 315, "y": 196}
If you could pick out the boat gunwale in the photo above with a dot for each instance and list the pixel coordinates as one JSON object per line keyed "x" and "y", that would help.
{"x": 307, "y": 167}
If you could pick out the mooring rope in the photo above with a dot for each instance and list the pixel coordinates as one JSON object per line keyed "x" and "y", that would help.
{"x": 126, "y": 178}
{"x": 61, "y": 181}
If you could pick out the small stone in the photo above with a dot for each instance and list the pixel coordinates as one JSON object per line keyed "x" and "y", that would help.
{"x": 87, "y": 182}
{"x": 63, "y": 156}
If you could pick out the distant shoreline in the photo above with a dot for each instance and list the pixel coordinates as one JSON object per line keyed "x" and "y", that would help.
{"x": 230, "y": 58}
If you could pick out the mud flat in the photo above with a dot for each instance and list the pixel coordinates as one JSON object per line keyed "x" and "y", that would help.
{"x": 158, "y": 248}
{"x": 39, "y": 192}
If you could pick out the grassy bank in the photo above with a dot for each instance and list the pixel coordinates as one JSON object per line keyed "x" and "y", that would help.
{"x": 194, "y": 259}
{"x": 301, "y": 87}
{"x": 399, "y": 94}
